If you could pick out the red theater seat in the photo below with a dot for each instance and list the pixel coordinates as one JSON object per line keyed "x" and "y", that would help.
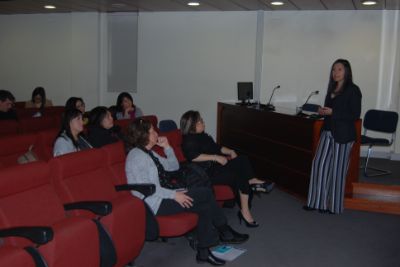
{"x": 12, "y": 147}
{"x": 45, "y": 143}
{"x": 85, "y": 176}
{"x": 16, "y": 257}
{"x": 33, "y": 125}
{"x": 8, "y": 127}
{"x": 27, "y": 198}
{"x": 169, "y": 226}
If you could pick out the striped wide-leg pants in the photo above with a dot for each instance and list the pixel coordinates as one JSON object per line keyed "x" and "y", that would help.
{"x": 328, "y": 174}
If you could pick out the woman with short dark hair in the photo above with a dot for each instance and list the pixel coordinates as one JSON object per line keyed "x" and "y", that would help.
{"x": 222, "y": 164}
{"x": 145, "y": 166}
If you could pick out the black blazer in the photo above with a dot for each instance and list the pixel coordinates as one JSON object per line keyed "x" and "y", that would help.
{"x": 346, "y": 109}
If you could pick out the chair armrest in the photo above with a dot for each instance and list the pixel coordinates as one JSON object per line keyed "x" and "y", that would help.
{"x": 144, "y": 189}
{"x": 101, "y": 208}
{"x": 37, "y": 234}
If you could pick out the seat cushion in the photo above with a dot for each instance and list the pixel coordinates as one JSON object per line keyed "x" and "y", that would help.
{"x": 366, "y": 140}
{"x": 177, "y": 224}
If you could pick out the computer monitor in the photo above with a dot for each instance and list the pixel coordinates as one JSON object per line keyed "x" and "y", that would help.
{"x": 245, "y": 91}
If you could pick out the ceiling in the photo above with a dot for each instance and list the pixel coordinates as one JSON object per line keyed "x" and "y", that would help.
{"x": 36, "y": 6}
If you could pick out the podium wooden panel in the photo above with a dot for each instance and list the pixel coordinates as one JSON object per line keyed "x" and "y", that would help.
{"x": 280, "y": 146}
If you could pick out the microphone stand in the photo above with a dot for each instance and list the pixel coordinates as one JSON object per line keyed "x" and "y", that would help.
{"x": 308, "y": 98}
{"x": 269, "y": 106}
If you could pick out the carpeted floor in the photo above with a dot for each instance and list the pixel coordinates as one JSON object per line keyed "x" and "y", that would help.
{"x": 291, "y": 237}
{"x": 385, "y": 164}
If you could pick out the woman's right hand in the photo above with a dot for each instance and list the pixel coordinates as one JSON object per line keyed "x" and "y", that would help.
{"x": 184, "y": 200}
{"x": 221, "y": 159}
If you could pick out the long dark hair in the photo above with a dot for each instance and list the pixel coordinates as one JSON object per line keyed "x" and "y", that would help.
{"x": 97, "y": 115}
{"x": 42, "y": 93}
{"x": 120, "y": 98}
{"x": 138, "y": 134}
{"x": 348, "y": 76}
{"x": 71, "y": 102}
{"x": 68, "y": 116}
{"x": 188, "y": 121}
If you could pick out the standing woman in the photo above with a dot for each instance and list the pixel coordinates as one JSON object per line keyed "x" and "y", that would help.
{"x": 222, "y": 164}
{"x": 126, "y": 109}
{"x": 331, "y": 162}
{"x": 70, "y": 138}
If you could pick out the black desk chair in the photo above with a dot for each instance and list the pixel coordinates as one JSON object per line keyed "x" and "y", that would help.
{"x": 378, "y": 121}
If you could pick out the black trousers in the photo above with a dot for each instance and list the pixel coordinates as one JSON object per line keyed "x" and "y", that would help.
{"x": 210, "y": 214}
{"x": 236, "y": 173}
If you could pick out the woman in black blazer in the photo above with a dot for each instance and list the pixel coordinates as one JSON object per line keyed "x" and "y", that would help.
{"x": 329, "y": 168}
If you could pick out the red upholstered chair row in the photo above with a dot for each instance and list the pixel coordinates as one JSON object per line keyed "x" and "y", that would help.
{"x": 29, "y": 125}
{"x": 27, "y": 198}
{"x": 12, "y": 147}
{"x": 33, "y": 194}
{"x": 85, "y": 176}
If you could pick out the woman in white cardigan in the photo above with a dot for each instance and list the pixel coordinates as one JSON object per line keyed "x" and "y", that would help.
{"x": 145, "y": 166}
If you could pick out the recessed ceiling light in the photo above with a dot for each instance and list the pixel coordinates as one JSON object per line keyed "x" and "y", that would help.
{"x": 369, "y": 3}
{"x": 118, "y": 5}
{"x": 277, "y": 3}
{"x": 193, "y": 3}
{"x": 49, "y": 7}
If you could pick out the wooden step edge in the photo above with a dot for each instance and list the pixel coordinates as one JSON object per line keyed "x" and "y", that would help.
{"x": 372, "y": 205}
{"x": 376, "y": 189}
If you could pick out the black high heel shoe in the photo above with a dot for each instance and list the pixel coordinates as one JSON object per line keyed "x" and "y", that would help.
{"x": 262, "y": 188}
{"x": 252, "y": 224}
{"x": 211, "y": 259}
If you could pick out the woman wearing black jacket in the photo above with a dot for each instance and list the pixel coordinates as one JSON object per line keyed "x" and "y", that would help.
{"x": 329, "y": 168}
{"x": 102, "y": 130}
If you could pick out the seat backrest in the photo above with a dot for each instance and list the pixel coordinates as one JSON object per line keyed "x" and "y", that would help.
{"x": 45, "y": 143}
{"x": 29, "y": 125}
{"x": 153, "y": 120}
{"x": 116, "y": 161}
{"x": 8, "y": 127}
{"x": 381, "y": 121}
{"x": 27, "y": 198}
{"x": 83, "y": 176}
{"x": 12, "y": 147}
{"x": 175, "y": 140}
{"x": 167, "y": 125}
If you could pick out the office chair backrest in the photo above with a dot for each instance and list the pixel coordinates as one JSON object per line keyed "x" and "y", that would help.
{"x": 381, "y": 121}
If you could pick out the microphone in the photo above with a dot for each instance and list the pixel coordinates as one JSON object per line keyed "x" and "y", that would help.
{"x": 309, "y": 107}
{"x": 269, "y": 106}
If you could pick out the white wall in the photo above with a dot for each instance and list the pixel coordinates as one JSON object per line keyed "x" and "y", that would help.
{"x": 190, "y": 60}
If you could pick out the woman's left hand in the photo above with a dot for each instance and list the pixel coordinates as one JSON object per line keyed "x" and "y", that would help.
{"x": 326, "y": 111}
{"x": 163, "y": 142}
{"x": 233, "y": 154}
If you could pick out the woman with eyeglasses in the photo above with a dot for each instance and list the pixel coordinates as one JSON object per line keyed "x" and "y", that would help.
{"x": 222, "y": 164}
{"x": 143, "y": 165}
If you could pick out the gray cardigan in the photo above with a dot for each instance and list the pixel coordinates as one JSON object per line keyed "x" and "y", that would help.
{"x": 140, "y": 168}
{"x": 64, "y": 145}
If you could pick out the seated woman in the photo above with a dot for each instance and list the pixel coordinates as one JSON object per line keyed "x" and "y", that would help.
{"x": 38, "y": 99}
{"x": 126, "y": 109}
{"x": 102, "y": 130}
{"x": 77, "y": 103}
{"x": 70, "y": 138}
{"x": 145, "y": 166}
{"x": 222, "y": 164}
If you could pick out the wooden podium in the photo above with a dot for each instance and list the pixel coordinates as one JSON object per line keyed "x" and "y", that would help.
{"x": 280, "y": 145}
